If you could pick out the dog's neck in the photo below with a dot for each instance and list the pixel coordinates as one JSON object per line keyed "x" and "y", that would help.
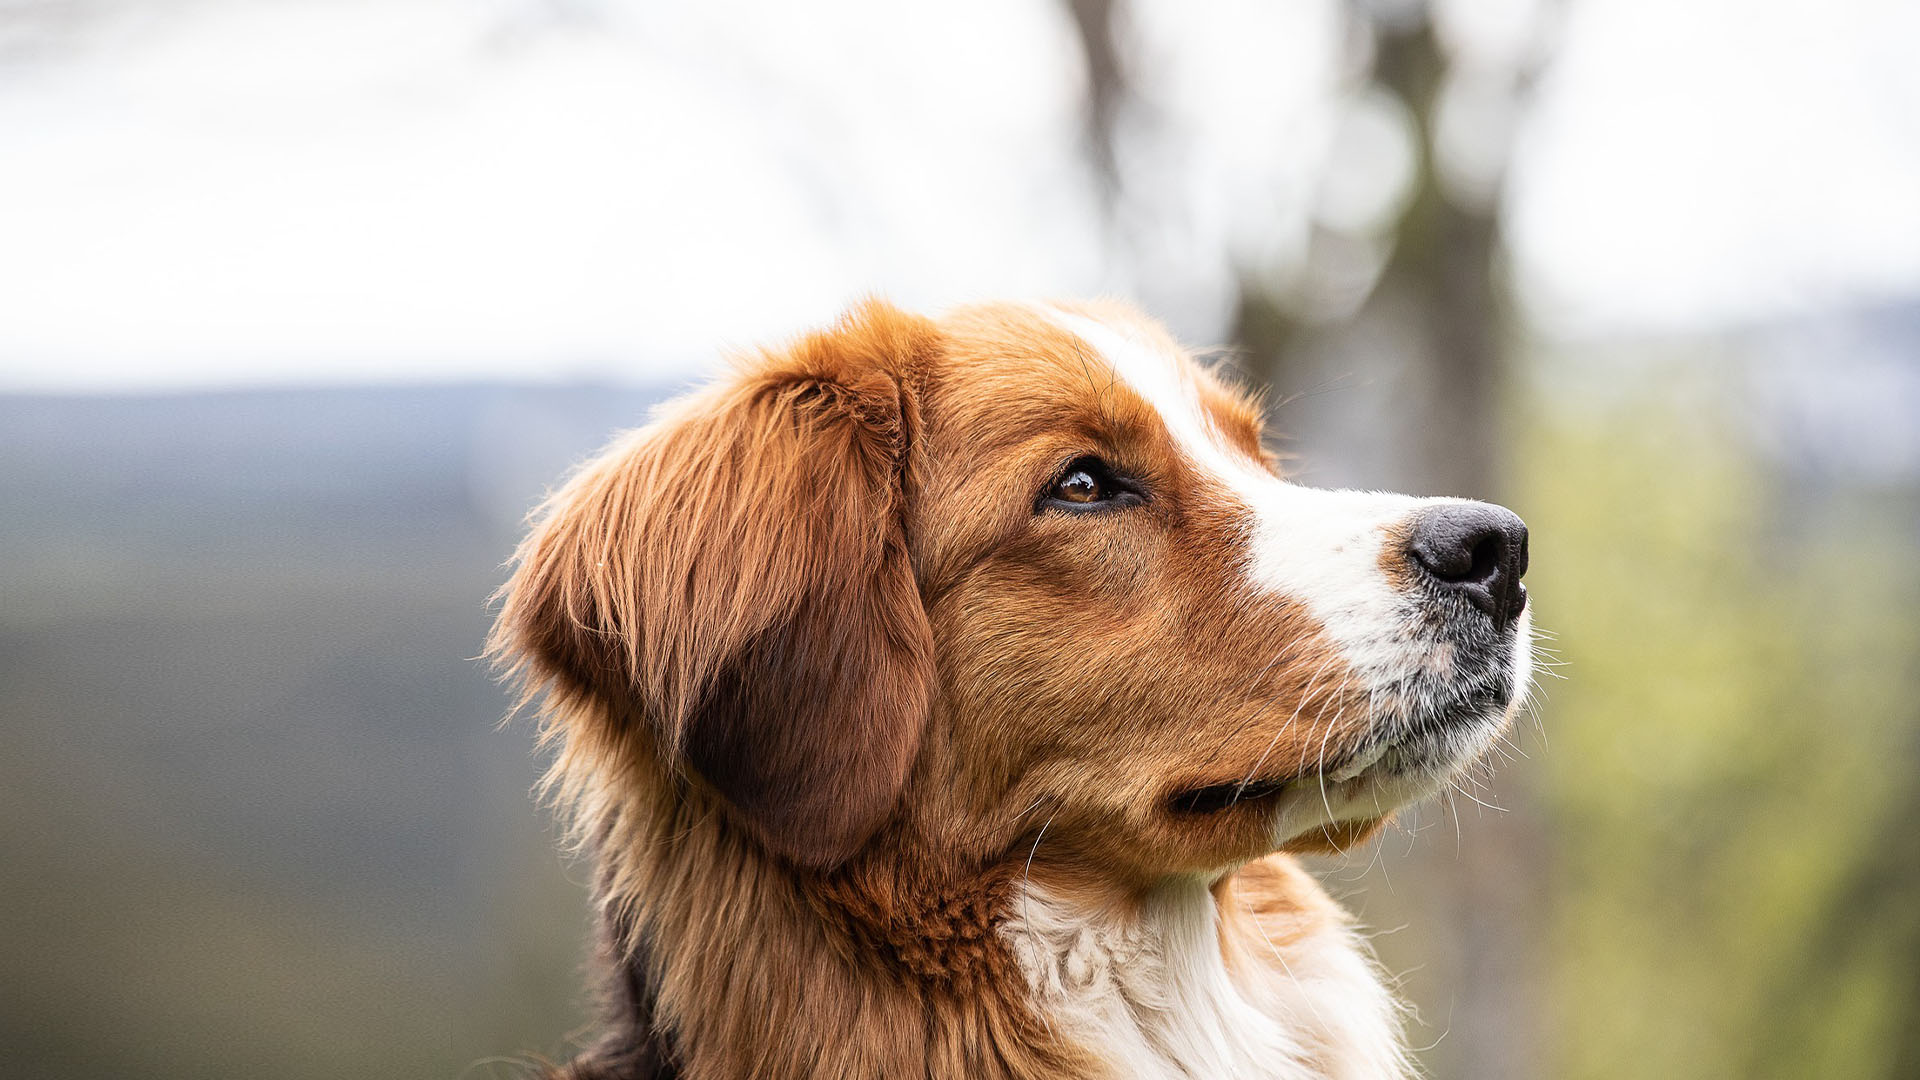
{"x": 1255, "y": 976}
{"x": 724, "y": 962}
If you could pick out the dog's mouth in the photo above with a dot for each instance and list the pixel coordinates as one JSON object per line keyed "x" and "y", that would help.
{"x": 1213, "y": 798}
{"x": 1426, "y": 725}
{"x": 1208, "y": 799}
{"x": 1404, "y": 755}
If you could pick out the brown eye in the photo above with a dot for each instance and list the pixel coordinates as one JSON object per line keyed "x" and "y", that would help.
{"x": 1079, "y": 486}
{"x": 1088, "y": 483}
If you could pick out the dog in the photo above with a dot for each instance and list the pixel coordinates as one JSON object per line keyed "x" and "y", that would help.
{"x": 947, "y": 698}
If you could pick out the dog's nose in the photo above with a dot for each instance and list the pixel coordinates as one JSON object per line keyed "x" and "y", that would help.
{"x": 1477, "y": 550}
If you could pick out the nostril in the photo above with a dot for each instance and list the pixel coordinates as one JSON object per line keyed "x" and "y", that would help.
{"x": 1486, "y": 558}
{"x": 1454, "y": 551}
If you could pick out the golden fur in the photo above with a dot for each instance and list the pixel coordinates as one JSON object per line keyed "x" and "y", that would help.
{"x": 829, "y": 698}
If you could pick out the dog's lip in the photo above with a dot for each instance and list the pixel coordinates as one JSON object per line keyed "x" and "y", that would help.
{"x": 1376, "y": 757}
{"x": 1213, "y": 797}
{"x": 1383, "y": 754}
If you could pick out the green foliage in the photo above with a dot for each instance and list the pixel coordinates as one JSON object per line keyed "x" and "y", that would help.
{"x": 1735, "y": 728}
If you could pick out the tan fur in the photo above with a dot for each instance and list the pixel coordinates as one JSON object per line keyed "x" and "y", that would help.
{"x": 827, "y": 695}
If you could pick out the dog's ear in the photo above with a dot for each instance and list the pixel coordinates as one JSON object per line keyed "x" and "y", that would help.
{"x": 737, "y": 577}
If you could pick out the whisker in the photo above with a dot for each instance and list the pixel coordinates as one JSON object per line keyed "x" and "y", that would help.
{"x": 1254, "y": 717}
{"x": 1321, "y": 776}
{"x": 1480, "y": 802}
{"x": 1453, "y": 809}
{"x": 1038, "y": 799}
{"x": 1254, "y": 769}
{"x": 1026, "y": 900}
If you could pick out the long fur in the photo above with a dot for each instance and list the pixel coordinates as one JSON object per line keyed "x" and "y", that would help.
{"x": 877, "y": 758}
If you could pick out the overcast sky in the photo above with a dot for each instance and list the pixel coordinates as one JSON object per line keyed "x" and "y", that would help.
{"x": 216, "y": 193}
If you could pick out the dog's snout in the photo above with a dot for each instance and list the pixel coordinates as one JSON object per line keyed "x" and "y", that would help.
{"x": 1477, "y": 550}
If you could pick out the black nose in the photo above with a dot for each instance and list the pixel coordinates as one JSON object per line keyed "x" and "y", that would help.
{"x": 1477, "y": 550}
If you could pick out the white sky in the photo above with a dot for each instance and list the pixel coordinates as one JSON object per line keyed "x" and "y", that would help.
{"x": 217, "y": 193}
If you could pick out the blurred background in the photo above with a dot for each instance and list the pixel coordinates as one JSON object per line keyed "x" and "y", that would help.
{"x": 303, "y": 304}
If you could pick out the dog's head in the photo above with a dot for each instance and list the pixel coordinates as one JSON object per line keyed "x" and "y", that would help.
{"x": 1026, "y": 567}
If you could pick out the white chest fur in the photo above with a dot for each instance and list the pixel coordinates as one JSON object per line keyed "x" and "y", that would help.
{"x": 1159, "y": 993}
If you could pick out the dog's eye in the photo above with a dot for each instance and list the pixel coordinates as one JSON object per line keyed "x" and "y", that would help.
{"x": 1088, "y": 483}
{"x": 1080, "y": 486}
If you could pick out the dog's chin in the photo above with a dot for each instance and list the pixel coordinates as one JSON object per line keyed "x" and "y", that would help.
{"x": 1409, "y": 756}
{"x": 1334, "y": 809}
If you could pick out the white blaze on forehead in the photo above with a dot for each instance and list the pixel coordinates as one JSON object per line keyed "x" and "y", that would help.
{"x": 1320, "y": 548}
{"x": 1163, "y": 379}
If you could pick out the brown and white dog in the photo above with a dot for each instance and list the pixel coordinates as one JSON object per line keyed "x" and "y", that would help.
{"x": 940, "y": 698}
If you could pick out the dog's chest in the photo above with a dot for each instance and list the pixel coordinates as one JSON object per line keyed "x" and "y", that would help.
{"x": 1153, "y": 995}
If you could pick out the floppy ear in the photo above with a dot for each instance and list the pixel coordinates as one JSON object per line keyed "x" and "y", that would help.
{"x": 736, "y": 576}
